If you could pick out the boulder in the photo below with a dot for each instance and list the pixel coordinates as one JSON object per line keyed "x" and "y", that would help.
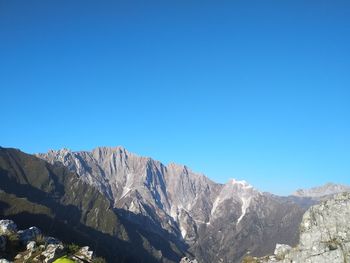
{"x": 188, "y": 260}
{"x": 2, "y": 260}
{"x": 52, "y": 241}
{"x": 31, "y": 234}
{"x": 52, "y": 252}
{"x": 31, "y": 245}
{"x": 27, "y": 256}
{"x": 7, "y": 227}
{"x": 281, "y": 250}
{"x": 85, "y": 253}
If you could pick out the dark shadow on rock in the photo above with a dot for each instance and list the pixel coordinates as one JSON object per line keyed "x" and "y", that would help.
{"x": 158, "y": 237}
{"x": 3, "y": 207}
{"x": 50, "y": 186}
{"x": 66, "y": 225}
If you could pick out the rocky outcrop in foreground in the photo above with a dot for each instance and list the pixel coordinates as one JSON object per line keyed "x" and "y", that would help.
{"x": 324, "y": 236}
{"x": 30, "y": 245}
{"x": 33, "y": 191}
{"x": 188, "y": 260}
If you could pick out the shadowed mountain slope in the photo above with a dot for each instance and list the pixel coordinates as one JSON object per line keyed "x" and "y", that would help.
{"x": 33, "y": 191}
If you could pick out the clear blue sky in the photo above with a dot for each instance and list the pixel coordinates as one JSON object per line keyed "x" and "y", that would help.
{"x": 254, "y": 90}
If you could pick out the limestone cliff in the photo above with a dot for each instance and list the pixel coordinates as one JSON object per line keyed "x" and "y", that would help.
{"x": 324, "y": 235}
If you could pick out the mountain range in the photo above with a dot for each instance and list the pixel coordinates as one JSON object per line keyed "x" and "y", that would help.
{"x": 145, "y": 211}
{"x": 322, "y": 191}
{"x": 34, "y": 192}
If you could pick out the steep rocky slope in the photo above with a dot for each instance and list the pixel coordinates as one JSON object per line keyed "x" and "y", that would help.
{"x": 34, "y": 191}
{"x": 219, "y": 222}
{"x": 324, "y": 235}
{"x": 143, "y": 186}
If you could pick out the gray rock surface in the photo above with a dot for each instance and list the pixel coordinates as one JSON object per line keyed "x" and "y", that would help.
{"x": 52, "y": 252}
{"x": 219, "y": 222}
{"x": 281, "y": 250}
{"x": 31, "y": 245}
{"x": 84, "y": 255}
{"x": 324, "y": 235}
{"x": 50, "y": 249}
{"x": 171, "y": 195}
{"x": 188, "y": 260}
{"x": 7, "y": 227}
{"x": 31, "y": 234}
{"x": 52, "y": 241}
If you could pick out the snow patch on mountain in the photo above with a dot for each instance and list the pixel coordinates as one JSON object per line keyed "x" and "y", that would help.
{"x": 245, "y": 205}
{"x": 235, "y": 191}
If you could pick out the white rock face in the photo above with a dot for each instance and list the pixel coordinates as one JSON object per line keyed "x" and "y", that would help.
{"x": 85, "y": 254}
{"x": 324, "y": 235}
{"x": 52, "y": 252}
{"x": 31, "y": 245}
{"x": 235, "y": 192}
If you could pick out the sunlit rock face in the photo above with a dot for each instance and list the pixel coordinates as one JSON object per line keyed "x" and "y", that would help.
{"x": 324, "y": 235}
{"x": 171, "y": 195}
{"x": 219, "y": 222}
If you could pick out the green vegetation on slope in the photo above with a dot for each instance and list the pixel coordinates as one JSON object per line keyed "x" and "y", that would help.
{"x": 64, "y": 259}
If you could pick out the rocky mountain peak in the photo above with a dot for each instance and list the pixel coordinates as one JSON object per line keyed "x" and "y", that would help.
{"x": 107, "y": 153}
{"x": 107, "y": 150}
{"x": 185, "y": 204}
{"x": 327, "y": 189}
{"x": 179, "y": 168}
{"x": 242, "y": 184}
{"x": 60, "y": 152}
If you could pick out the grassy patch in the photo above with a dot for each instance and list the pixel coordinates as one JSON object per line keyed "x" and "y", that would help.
{"x": 64, "y": 259}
